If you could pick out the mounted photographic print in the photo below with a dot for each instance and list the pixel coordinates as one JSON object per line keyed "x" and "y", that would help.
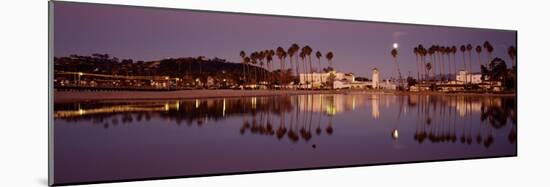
{"x": 140, "y": 93}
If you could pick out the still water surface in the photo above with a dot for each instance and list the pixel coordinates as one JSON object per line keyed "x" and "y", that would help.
{"x": 114, "y": 140}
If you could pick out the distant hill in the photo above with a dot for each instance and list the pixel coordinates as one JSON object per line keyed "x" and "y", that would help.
{"x": 174, "y": 67}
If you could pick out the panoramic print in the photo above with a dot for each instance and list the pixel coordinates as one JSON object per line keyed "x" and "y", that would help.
{"x": 145, "y": 93}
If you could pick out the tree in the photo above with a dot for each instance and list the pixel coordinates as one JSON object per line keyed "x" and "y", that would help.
{"x": 261, "y": 57}
{"x": 330, "y": 80}
{"x": 411, "y": 81}
{"x": 254, "y": 60}
{"x": 296, "y": 49}
{"x": 423, "y": 53}
{"x": 416, "y": 53}
{"x": 243, "y": 55}
{"x": 431, "y": 51}
{"x": 329, "y": 57}
{"x": 453, "y": 51}
{"x": 281, "y": 54}
{"x": 291, "y": 52}
{"x": 302, "y": 56}
{"x": 441, "y": 51}
{"x": 462, "y": 50}
{"x": 489, "y": 48}
{"x": 200, "y": 59}
{"x": 319, "y": 55}
{"x": 246, "y": 61}
{"x": 429, "y": 67}
{"x": 307, "y": 52}
{"x": 469, "y": 49}
{"x": 497, "y": 70}
{"x": 512, "y": 53}
{"x": 478, "y": 51}
{"x": 269, "y": 59}
{"x": 448, "y": 52}
{"x": 394, "y": 55}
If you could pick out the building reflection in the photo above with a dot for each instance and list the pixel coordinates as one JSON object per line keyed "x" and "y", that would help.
{"x": 439, "y": 119}
{"x": 463, "y": 119}
{"x": 375, "y": 109}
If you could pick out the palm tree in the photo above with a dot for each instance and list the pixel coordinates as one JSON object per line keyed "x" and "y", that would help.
{"x": 441, "y": 50}
{"x": 429, "y": 65}
{"x": 296, "y": 49}
{"x": 261, "y": 57}
{"x": 469, "y": 49}
{"x": 291, "y": 52}
{"x": 437, "y": 62}
{"x": 431, "y": 51}
{"x": 329, "y": 57}
{"x": 423, "y": 53}
{"x": 444, "y": 53}
{"x": 265, "y": 63}
{"x": 416, "y": 53}
{"x": 246, "y": 60}
{"x": 269, "y": 59}
{"x": 307, "y": 52}
{"x": 489, "y": 48}
{"x": 281, "y": 54}
{"x": 453, "y": 51}
{"x": 443, "y": 56}
{"x": 319, "y": 55}
{"x": 243, "y": 55}
{"x": 254, "y": 60}
{"x": 302, "y": 56}
{"x": 448, "y": 51}
{"x": 394, "y": 55}
{"x": 442, "y": 63}
{"x": 462, "y": 50}
{"x": 478, "y": 51}
{"x": 330, "y": 80}
{"x": 512, "y": 52}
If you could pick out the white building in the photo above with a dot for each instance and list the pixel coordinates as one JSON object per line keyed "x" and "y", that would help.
{"x": 465, "y": 77}
{"x": 388, "y": 85}
{"x": 346, "y": 80}
{"x": 318, "y": 78}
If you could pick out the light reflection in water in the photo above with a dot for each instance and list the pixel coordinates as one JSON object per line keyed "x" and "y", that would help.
{"x": 436, "y": 116}
{"x": 375, "y": 111}
{"x": 276, "y": 132}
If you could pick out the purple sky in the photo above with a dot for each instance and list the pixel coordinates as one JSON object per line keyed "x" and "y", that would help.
{"x": 152, "y": 34}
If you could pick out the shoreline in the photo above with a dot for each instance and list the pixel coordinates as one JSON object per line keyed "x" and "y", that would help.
{"x": 79, "y": 96}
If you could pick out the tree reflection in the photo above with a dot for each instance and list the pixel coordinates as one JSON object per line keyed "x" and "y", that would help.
{"x": 439, "y": 119}
{"x": 472, "y": 119}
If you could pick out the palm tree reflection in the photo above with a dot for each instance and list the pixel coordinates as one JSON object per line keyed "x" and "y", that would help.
{"x": 438, "y": 119}
{"x": 440, "y": 116}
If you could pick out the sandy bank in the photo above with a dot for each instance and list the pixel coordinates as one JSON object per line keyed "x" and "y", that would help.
{"x": 76, "y": 96}
{"x": 68, "y": 96}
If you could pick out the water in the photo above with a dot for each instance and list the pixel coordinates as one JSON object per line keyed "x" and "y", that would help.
{"x": 142, "y": 139}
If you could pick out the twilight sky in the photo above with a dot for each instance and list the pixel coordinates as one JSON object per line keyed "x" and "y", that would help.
{"x": 153, "y": 34}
